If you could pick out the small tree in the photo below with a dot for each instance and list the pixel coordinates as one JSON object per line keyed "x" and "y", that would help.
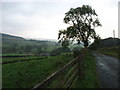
{"x": 64, "y": 42}
{"x": 83, "y": 21}
{"x": 95, "y": 44}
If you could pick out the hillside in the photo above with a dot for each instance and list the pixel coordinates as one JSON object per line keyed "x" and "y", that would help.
{"x": 15, "y": 44}
{"x": 103, "y": 43}
{"x": 6, "y": 36}
{"x": 109, "y": 42}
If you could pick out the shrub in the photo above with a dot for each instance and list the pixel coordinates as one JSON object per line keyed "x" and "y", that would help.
{"x": 76, "y": 53}
{"x": 60, "y": 50}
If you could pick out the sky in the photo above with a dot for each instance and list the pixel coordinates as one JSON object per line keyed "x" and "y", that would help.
{"x": 42, "y": 19}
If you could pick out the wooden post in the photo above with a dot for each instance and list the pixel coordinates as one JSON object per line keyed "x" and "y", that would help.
{"x": 54, "y": 75}
{"x": 81, "y": 65}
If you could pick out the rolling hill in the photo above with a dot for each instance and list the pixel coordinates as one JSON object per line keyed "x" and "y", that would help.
{"x": 15, "y": 44}
{"x": 103, "y": 43}
{"x": 6, "y": 36}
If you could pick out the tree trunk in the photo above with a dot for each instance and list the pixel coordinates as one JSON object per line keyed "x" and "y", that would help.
{"x": 86, "y": 50}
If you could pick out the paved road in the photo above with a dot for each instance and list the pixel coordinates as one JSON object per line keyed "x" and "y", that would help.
{"x": 107, "y": 70}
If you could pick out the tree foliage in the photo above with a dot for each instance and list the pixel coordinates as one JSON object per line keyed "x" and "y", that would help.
{"x": 83, "y": 21}
{"x": 95, "y": 44}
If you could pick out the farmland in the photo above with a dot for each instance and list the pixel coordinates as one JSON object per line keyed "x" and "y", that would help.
{"x": 28, "y": 74}
{"x": 25, "y": 67}
{"x": 16, "y": 59}
{"x": 18, "y": 45}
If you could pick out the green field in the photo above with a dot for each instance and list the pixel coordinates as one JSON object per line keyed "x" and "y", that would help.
{"x": 10, "y": 59}
{"x": 29, "y": 73}
{"x": 13, "y": 54}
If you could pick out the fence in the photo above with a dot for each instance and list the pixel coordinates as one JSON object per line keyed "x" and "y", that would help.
{"x": 66, "y": 80}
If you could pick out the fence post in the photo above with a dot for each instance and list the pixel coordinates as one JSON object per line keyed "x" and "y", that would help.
{"x": 81, "y": 66}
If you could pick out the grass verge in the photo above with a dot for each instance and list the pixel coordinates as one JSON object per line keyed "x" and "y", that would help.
{"x": 111, "y": 51}
{"x": 113, "y": 54}
{"x": 90, "y": 75}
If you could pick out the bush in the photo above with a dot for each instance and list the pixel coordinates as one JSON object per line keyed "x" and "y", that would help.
{"x": 76, "y": 53}
{"x": 60, "y": 50}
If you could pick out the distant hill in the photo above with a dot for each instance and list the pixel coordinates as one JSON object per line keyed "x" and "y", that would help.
{"x": 108, "y": 42}
{"x": 15, "y": 44}
{"x": 6, "y": 36}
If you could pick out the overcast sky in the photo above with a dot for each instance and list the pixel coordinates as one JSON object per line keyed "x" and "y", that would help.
{"x": 44, "y": 18}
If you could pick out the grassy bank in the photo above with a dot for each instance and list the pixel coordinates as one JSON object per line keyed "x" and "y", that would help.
{"x": 29, "y": 73}
{"x": 113, "y": 54}
{"x": 90, "y": 76}
{"x": 111, "y": 51}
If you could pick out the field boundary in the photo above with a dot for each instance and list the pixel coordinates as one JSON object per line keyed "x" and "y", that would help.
{"x": 76, "y": 70}
{"x": 11, "y": 56}
{"x": 39, "y": 58}
{"x": 35, "y": 58}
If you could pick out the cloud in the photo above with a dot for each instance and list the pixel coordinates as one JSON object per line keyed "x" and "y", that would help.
{"x": 45, "y": 19}
{"x": 107, "y": 11}
{"x": 43, "y": 28}
{"x": 16, "y": 19}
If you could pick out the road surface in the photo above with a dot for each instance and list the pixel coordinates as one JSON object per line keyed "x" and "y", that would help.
{"x": 107, "y": 70}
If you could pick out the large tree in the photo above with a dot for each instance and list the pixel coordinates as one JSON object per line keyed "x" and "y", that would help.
{"x": 83, "y": 21}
